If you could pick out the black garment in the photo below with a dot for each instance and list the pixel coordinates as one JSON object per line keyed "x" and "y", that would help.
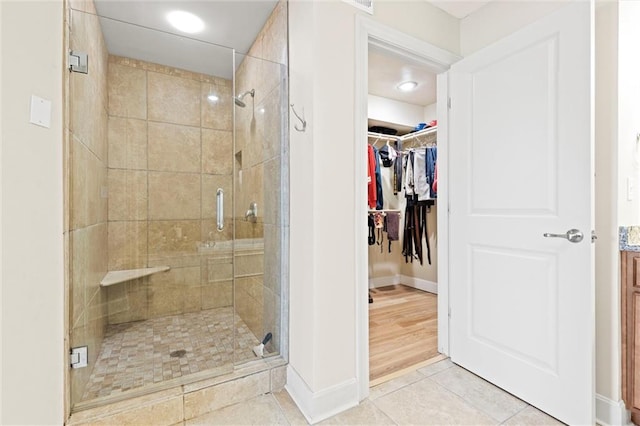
{"x": 379, "y": 195}
{"x": 415, "y": 227}
{"x": 397, "y": 169}
{"x": 372, "y": 231}
{"x": 384, "y": 156}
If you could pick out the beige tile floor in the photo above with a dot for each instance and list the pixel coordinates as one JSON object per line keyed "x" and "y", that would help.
{"x": 439, "y": 394}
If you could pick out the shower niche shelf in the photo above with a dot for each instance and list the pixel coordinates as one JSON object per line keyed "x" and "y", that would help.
{"x": 116, "y": 277}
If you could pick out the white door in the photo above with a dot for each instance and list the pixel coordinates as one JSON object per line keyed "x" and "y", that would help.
{"x": 522, "y": 305}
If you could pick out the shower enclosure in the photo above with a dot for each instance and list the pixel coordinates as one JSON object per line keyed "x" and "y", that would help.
{"x": 177, "y": 206}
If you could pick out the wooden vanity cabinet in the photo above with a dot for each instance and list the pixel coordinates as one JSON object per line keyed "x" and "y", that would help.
{"x": 630, "y": 294}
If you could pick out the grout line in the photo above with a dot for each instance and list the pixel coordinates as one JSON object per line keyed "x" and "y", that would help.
{"x": 282, "y": 411}
{"x": 515, "y": 414}
{"x": 471, "y": 403}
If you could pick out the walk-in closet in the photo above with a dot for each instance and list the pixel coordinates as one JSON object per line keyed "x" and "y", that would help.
{"x": 402, "y": 215}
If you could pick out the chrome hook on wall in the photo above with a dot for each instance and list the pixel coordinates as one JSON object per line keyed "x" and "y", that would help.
{"x": 302, "y": 120}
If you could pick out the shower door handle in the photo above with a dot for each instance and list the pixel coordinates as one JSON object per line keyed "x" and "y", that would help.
{"x": 220, "y": 208}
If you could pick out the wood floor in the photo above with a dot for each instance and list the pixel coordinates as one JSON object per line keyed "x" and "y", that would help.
{"x": 403, "y": 329}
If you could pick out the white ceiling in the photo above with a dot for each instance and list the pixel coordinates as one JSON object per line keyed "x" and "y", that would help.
{"x": 459, "y": 9}
{"x": 386, "y": 71}
{"x": 139, "y": 29}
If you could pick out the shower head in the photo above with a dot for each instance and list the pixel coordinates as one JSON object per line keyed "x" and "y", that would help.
{"x": 238, "y": 99}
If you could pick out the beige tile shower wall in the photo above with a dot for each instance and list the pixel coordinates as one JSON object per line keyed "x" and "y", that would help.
{"x": 258, "y": 160}
{"x": 170, "y": 149}
{"x": 87, "y": 203}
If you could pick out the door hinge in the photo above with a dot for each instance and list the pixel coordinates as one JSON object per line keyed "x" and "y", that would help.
{"x": 449, "y": 103}
{"x": 78, "y": 62}
{"x": 449, "y": 313}
{"x": 594, "y": 237}
{"x": 78, "y": 357}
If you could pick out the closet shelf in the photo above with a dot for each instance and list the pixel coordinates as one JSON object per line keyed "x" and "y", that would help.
{"x": 403, "y": 138}
{"x": 115, "y": 277}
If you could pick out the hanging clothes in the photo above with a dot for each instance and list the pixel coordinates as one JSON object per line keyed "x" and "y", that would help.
{"x": 397, "y": 168}
{"x": 408, "y": 180}
{"x": 388, "y": 155}
{"x": 392, "y": 226}
{"x": 435, "y": 180}
{"x": 379, "y": 195}
{"x": 431, "y": 161}
{"x": 378, "y": 220}
{"x": 417, "y": 193}
{"x": 421, "y": 185}
{"x": 371, "y": 239}
{"x": 415, "y": 228}
{"x": 372, "y": 192}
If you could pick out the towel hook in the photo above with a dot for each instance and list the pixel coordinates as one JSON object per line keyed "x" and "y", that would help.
{"x": 302, "y": 120}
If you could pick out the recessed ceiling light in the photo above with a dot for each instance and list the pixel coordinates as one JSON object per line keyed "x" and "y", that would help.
{"x": 213, "y": 98}
{"x": 185, "y": 21}
{"x": 407, "y": 86}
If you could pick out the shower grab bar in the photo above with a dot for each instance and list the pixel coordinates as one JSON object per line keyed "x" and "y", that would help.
{"x": 220, "y": 208}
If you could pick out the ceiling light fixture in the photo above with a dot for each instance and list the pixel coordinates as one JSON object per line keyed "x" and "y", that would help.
{"x": 185, "y": 21}
{"x": 407, "y": 86}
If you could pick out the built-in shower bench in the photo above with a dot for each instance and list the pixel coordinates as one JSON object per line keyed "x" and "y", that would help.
{"x": 116, "y": 277}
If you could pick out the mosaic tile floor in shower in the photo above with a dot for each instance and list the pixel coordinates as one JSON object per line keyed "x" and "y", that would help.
{"x": 140, "y": 353}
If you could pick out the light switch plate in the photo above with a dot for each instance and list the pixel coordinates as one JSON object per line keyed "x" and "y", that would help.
{"x": 631, "y": 188}
{"x": 40, "y": 111}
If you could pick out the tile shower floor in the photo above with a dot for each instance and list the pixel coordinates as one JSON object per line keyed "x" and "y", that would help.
{"x": 140, "y": 353}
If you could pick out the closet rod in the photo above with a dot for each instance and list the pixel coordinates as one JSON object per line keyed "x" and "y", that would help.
{"x": 382, "y": 136}
{"x": 385, "y": 211}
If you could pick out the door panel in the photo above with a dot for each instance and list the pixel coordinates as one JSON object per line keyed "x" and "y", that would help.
{"x": 521, "y": 166}
{"x": 497, "y": 274}
{"x": 523, "y": 128}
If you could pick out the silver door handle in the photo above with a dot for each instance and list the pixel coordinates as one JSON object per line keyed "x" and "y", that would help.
{"x": 573, "y": 235}
{"x": 220, "y": 208}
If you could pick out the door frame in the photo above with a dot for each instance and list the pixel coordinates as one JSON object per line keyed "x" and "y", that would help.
{"x": 368, "y": 31}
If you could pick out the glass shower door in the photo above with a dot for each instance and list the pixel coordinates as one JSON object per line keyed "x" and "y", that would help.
{"x": 261, "y": 205}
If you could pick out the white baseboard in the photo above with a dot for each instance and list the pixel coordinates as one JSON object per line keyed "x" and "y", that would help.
{"x": 611, "y": 413}
{"x": 420, "y": 284}
{"x": 384, "y": 281}
{"x": 318, "y": 406}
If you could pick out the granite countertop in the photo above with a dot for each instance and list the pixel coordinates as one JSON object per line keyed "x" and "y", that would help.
{"x": 630, "y": 238}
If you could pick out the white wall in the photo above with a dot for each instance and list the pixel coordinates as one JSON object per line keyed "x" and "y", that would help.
{"x": 500, "y": 18}
{"x": 1, "y": 240}
{"x": 32, "y": 220}
{"x": 322, "y": 268}
{"x": 629, "y": 107}
{"x": 392, "y": 111}
{"x": 302, "y": 321}
{"x": 606, "y": 158}
{"x": 430, "y": 113}
{"x": 420, "y": 20}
